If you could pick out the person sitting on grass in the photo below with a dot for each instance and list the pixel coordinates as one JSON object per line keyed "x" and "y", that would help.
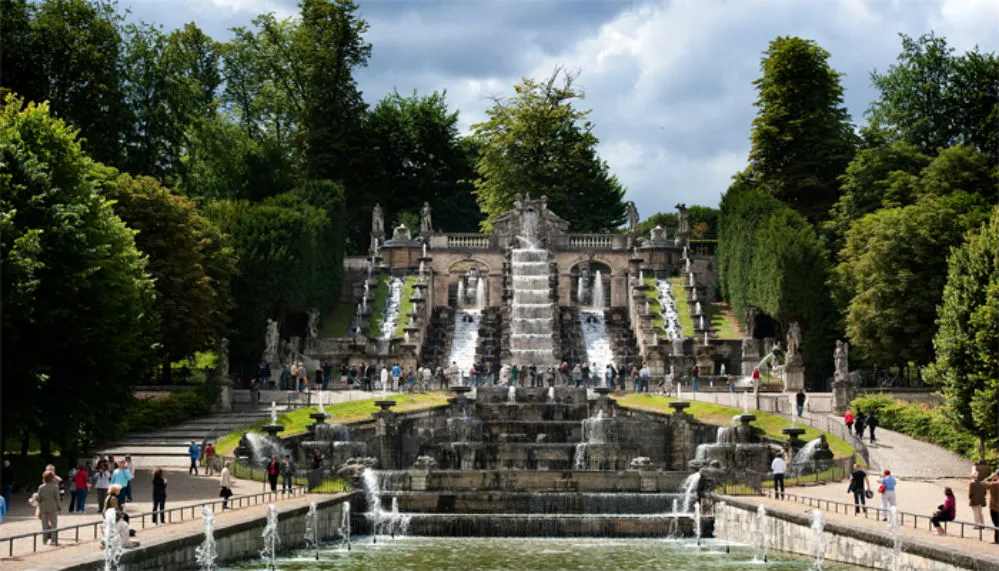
{"x": 945, "y": 512}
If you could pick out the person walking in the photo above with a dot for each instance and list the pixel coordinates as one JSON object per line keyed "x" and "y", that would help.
{"x": 779, "y": 467}
{"x": 287, "y": 471}
{"x": 225, "y": 485}
{"x": 210, "y": 459}
{"x": 976, "y": 497}
{"x": 858, "y": 479}
{"x": 859, "y": 424}
{"x": 848, "y": 421}
{"x": 636, "y": 380}
{"x": 49, "y": 507}
{"x": 101, "y": 483}
{"x": 273, "y": 469}
{"x": 991, "y": 485}
{"x": 946, "y": 511}
{"x": 130, "y": 466}
{"x": 886, "y": 487}
{"x": 159, "y": 495}
{"x": 82, "y": 481}
{"x": 872, "y": 423}
{"x": 194, "y": 452}
{"x": 799, "y": 401}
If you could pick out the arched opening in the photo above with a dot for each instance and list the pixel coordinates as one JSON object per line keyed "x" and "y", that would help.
{"x": 586, "y": 290}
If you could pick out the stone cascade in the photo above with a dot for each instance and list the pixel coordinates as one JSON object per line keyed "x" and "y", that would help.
{"x": 533, "y": 317}
{"x": 437, "y": 344}
{"x": 622, "y": 339}
{"x": 490, "y": 336}
{"x": 573, "y": 346}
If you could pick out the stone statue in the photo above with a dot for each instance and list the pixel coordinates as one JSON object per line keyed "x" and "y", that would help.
{"x": 749, "y": 322}
{"x": 271, "y": 338}
{"x": 313, "y": 323}
{"x": 377, "y": 222}
{"x": 401, "y": 233}
{"x": 683, "y": 226}
{"x": 426, "y": 226}
{"x": 632, "y": 217}
{"x": 223, "y": 360}
{"x": 841, "y": 357}
{"x": 658, "y": 234}
{"x": 793, "y": 342}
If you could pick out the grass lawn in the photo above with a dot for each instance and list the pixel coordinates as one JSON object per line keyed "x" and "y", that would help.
{"x": 722, "y": 415}
{"x": 377, "y": 306}
{"x": 337, "y": 321}
{"x": 405, "y": 306}
{"x": 295, "y": 422}
{"x": 723, "y": 321}
{"x": 335, "y": 486}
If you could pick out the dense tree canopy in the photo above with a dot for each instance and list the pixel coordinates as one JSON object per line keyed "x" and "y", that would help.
{"x": 77, "y": 301}
{"x": 802, "y": 139}
{"x": 703, "y": 221}
{"x": 538, "y": 142}
{"x": 967, "y": 339}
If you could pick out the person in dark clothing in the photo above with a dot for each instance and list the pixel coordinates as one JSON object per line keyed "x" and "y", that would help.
{"x": 317, "y": 460}
{"x": 860, "y": 423}
{"x": 159, "y": 495}
{"x": 858, "y": 479}
{"x": 872, "y": 423}
{"x": 273, "y": 469}
{"x": 799, "y": 400}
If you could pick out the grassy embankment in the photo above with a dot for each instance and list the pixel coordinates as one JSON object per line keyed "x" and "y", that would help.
{"x": 295, "y": 422}
{"x": 405, "y": 305}
{"x": 377, "y": 306}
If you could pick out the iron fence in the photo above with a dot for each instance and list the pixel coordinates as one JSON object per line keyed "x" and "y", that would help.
{"x": 882, "y": 514}
{"x": 173, "y": 514}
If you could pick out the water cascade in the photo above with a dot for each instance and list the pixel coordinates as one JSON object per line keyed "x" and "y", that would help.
{"x": 598, "y": 347}
{"x": 270, "y": 535}
{"x": 480, "y": 294}
{"x": 312, "y": 529}
{"x": 581, "y": 289}
{"x": 551, "y": 395}
{"x": 466, "y": 338}
{"x": 893, "y": 558}
{"x": 812, "y": 457}
{"x": 511, "y": 395}
{"x": 760, "y": 531}
{"x": 533, "y": 312}
{"x": 345, "y": 524}
{"x": 205, "y": 553}
{"x": 112, "y": 542}
{"x": 596, "y": 449}
{"x": 690, "y": 490}
{"x": 674, "y": 524}
{"x": 393, "y": 303}
{"x": 697, "y": 522}
{"x": 461, "y": 293}
{"x": 818, "y": 539}
{"x": 667, "y": 309}
{"x": 598, "y": 292}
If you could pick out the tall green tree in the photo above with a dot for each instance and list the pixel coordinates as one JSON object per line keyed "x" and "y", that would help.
{"x": 538, "y": 142}
{"x": 933, "y": 98}
{"x": 802, "y": 139}
{"x": 77, "y": 301}
{"x": 189, "y": 259}
{"x": 891, "y": 276}
{"x": 967, "y": 340}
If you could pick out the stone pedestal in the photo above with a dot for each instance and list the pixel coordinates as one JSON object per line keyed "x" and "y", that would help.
{"x": 794, "y": 377}
{"x": 418, "y": 480}
{"x": 224, "y": 403}
{"x": 843, "y": 393}
{"x": 386, "y": 426}
{"x": 750, "y": 355}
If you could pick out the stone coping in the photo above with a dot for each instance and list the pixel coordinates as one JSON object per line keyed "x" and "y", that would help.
{"x": 914, "y": 546}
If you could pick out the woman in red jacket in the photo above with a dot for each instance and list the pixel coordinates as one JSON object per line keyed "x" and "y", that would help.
{"x": 945, "y": 512}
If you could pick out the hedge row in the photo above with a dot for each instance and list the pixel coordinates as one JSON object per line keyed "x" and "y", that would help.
{"x": 151, "y": 414}
{"x": 923, "y": 422}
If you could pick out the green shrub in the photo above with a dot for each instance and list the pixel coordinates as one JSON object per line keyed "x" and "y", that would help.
{"x": 922, "y": 422}
{"x": 151, "y": 414}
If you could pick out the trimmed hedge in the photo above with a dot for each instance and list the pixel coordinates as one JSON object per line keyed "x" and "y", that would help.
{"x": 151, "y": 414}
{"x": 922, "y": 422}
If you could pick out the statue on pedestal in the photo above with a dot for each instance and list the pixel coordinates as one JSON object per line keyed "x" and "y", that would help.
{"x": 377, "y": 222}
{"x": 313, "y": 326}
{"x": 223, "y": 360}
{"x": 632, "y": 217}
{"x": 841, "y": 358}
{"x": 793, "y": 343}
{"x": 683, "y": 226}
{"x": 271, "y": 338}
{"x": 426, "y": 225}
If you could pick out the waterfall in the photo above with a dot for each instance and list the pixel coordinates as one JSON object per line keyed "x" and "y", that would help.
{"x": 372, "y": 494}
{"x": 805, "y": 457}
{"x": 674, "y": 524}
{"x": 465, "y": 340}
{"x": 818, "y": 539}
{"x": 668, "y": 311}
{"x": 532, "y": 318}
{"x": 511, "y": 394}
{"x": 580, "y": 290}
{"x": 690, "y": 490}
{"x": 697, "y": 522}
{"x": 312, "y": 529}
{"x": 551, "y": 395}
{"x": 598, "y": 292}
{"x": 345, "y": 523}
{"x": 205, "y": 553}
{"x": 390, "y": 315}
{"x": 760, "y": 531}
{"x": 598, "y": 348}
{"x": 270, "y": 536}
{"x": 480, "y": 294}
{"x": 461, "y": 292}
{"x": 112, "y": 541}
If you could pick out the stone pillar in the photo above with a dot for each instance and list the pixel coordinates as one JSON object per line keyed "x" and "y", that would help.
{"x": 794, "y": 377}
{"x": 843, "y": 393}
{"x": 386, "y": 430}
{"x": 750, "y": 355}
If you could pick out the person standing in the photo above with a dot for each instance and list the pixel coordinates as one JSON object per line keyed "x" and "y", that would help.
{"x": 159, "y": 494}
{"x": 82, "y": 480}
{"x": 72, "y": 488}
{"x": 872, "y": 423}
{"x": 644, "y": 375}
{"x": 225, "y": 485}
{"x": 130, "y": 466}
{"x": 636, "y": 380}
{"x": 49, "y": 507}
{"x": 194, "y": 452}
{"x": 976, "y": 497}
{"x": 859, "y": 424}
{"x": 886, "y": 485}
{"x": 121, "y": 477}
{"x": 210, "y": 459}
{"x": 384, "y": 378}
{"x": 585, "y": 372}
{"x": 991, "y": 485}
{"x": 799, "y": 401}
{"x": 102, "y": 481}
{"x": 857, "y": 481}
{"x": 396, "y": 374}
{"x": 273, "y": 469}
{"x": 287, "y": 471}
{"x": 778, "y": 467}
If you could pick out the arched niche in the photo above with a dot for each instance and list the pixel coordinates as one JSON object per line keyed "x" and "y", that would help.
{"x": 584, "y": 275}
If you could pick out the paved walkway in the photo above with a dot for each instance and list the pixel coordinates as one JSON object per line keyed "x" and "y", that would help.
{"x": 69, "y": 554}
{"x": 182, "y": 490}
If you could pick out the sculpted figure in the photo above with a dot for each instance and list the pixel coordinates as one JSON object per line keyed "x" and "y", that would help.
{"x": 426, "y": 226}
{"x": 377, "y": 221}
{"x": 632, "y": 217}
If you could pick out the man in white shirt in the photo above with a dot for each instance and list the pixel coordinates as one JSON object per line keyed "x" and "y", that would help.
{"x": 778, "y": 467}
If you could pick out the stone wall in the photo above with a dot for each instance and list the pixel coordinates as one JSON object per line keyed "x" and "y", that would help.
{"x": 235, "y": 542}
{"x": 791, "y": 533}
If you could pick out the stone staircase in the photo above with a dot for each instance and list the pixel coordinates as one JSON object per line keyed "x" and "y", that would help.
{"x": 437, "y": 344}
{"x": 490, "y": 336}
{"x": 573, "y": 347}
{"x": 622, "y": 338}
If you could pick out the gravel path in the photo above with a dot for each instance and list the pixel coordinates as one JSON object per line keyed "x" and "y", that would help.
{"x": 914, "y": 459}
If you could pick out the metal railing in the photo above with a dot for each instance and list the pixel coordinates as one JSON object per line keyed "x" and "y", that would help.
{"x": 235, "y": 502}
{"x": 880, "y": 513}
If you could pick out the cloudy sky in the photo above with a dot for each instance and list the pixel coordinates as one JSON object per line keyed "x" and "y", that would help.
{"x": 669, "y": 81}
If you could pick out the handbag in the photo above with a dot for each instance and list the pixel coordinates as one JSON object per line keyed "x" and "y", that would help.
{"x": 869, "y": 494}
{"x": 882, "y": 488}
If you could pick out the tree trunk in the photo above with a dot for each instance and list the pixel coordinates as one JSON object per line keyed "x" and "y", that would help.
{"x": 25, "y": 443}
{"x": 166, "y": 378}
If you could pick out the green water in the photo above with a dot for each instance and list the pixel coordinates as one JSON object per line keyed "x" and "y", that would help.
{"x": 543, "y": 554}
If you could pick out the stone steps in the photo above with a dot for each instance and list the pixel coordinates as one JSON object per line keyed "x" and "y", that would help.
{"x": 562, "y": 525}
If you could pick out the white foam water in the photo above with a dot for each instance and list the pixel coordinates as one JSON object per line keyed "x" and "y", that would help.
{"x": 466, "y": 339}
{"x": 598, "y": 347}
{"x": 270, "y": 536}
{"x": 112, "y": 542}
{"x": 205, "y": 554}
{"x": 818, "y": 543}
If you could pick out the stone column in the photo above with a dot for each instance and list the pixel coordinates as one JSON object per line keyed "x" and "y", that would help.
{"x": 750, "y": 355}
